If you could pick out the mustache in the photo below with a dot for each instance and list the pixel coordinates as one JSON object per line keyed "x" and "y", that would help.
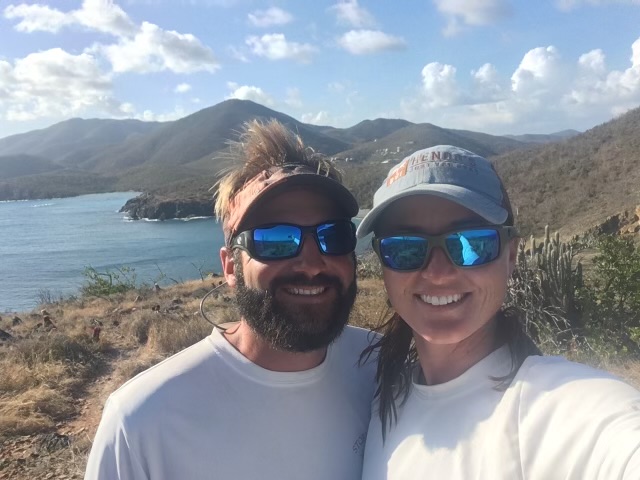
{"x": 322, "y": 279}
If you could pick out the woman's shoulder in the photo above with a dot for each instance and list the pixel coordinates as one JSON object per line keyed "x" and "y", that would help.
{"x": 554, "y": 377}
{"x": 588, "y": 418}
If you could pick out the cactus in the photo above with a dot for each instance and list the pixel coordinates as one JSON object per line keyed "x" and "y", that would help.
{"x": 544, "y": 288}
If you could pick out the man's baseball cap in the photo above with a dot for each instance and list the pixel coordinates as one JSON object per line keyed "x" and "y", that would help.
{"x": 275, "y": 180}
{"x": 445, "y": 171}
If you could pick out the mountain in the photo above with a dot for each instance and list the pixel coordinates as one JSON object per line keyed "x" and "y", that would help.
{"x": 366, "y": 131}
{"x": 571, "y": 181}
{"x": 61, "y": 142}
{"x": 200, "y": 136}
{"x": 12, "y": 166}
{"x": 146, "y": 156}
{"x": 542, "y": 138}
{"x": 574, "y": 184}
{"x": 412, "y": 137}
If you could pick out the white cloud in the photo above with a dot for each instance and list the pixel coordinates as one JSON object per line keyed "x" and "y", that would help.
{"x": 362, "y": 42}
{"x": 540, "y": 72}
{"x": 619, "y": 90}
{"x": 37, "y": 18}
{"x": 150, "y": 116}
{"x": 104, "y": 16}
{"x": 182, "y": 88}
{"x": 543, "y": 94}
{"x": 567, "y": 5}
{"x": 293, "y": 99}
{"x": 142, "y": 49}
{"x": 270, "y": 17}
{"x": 471, "y": 12}
{"x": 320, "y": 118}
{"x": 488, "y": 85}
{"x": 593, "y": 61}
{"x": 153, "y": 49}
{"x": 275, "y": 46}
{"x": 348, "y": 12}
{"x": 247, "y": 92}
{"x": 54, "y": 83}
{"x": 439, "y": 85}
{"x": 101, "y": 15}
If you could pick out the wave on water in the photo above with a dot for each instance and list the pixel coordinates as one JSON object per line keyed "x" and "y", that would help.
{"x": 126, "y": 218}
{"x": 42, "y": 205}
{"x": 188, "y": 219}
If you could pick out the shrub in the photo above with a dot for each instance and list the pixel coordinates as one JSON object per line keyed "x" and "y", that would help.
{"x": 109, "y": 282}
{"x": 612, "y": 297}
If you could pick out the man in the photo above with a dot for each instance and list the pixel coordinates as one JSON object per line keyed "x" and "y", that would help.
{"x": 279, "y": 394}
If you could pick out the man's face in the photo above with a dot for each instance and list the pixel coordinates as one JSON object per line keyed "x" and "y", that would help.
{"x": 299, "y": 304}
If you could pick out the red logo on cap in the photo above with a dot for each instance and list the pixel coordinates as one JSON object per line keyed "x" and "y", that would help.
{"x": 399, "y": 172}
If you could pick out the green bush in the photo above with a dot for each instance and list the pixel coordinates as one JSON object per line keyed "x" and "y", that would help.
{"x": 109, "y": 282}
{"x": 611, "y": 298}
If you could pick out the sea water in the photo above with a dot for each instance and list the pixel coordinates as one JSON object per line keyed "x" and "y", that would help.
{"x": 46, "y": 245}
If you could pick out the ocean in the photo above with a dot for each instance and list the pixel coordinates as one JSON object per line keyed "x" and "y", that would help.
{"x": 45, "y": 246}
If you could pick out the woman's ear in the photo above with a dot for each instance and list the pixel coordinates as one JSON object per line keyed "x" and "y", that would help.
{"x": 228, "y": 266}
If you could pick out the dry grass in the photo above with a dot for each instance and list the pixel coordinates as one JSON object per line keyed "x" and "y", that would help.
{"x": 34, "y": 410}
{"x": 175, "y": 334}
{"x": 57, "y": 381}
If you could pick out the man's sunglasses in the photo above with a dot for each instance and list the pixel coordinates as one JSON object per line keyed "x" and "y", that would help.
{"x": 469, "y": 247}
{"x": 284, "y": 240}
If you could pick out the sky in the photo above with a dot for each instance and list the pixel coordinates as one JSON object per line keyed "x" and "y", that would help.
{"x": 493, "y": 66}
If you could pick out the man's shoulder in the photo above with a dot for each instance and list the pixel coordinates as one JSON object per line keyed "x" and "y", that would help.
{"x": 351, "y": 344}
{"x": 355, "y": 339}
{"x": 172, "y": 376}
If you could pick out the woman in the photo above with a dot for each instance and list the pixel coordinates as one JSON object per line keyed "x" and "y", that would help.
{"x": 463, "y": 392}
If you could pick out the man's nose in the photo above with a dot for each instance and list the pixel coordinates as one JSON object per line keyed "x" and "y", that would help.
{"x": 311, "y": 261}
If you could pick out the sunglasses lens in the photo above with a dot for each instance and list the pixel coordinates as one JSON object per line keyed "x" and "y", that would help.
{"x": 473, "y": 247}
{"x": 403, "y": 252}
{"x": 336, "y": 238}
{"x": 279, "y": 241}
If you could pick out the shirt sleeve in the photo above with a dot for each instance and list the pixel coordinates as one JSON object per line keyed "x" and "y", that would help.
{"x": 578, "y": 423}
{"x": 112, "y": 456}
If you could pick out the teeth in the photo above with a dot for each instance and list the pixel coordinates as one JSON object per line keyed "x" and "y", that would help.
{"x": 440, "y": 300}
{"x": 306, "y": 291}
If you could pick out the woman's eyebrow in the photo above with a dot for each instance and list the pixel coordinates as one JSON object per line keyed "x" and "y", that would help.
{"x": 469, "y": 222}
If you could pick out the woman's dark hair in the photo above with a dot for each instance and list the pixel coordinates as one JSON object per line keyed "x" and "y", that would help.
{"x": 397, "y": 355}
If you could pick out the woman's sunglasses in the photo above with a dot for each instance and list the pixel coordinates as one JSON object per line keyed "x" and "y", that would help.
{"x": 284, "y": 240}
{"x": 470, "y": 247}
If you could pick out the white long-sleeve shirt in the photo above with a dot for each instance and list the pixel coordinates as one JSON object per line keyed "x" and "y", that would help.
{"x": 558, "y": 420}
{"x": 209, "y": 413}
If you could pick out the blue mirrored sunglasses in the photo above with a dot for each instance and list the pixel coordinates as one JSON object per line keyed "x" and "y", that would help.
{"x": 284, "y": 240}
{"x": 469, "y": 247}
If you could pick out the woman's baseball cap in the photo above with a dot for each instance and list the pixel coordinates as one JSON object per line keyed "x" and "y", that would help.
{"x": 445, "y": 171}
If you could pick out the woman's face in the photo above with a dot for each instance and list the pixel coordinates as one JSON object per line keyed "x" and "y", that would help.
{"x": 442, "y": 303}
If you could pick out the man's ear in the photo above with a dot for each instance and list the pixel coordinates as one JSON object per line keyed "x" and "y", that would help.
{"x": 228, "y": 266}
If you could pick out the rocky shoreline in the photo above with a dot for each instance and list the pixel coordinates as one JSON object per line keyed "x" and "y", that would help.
{"x": 149, "y": 206}
{"x": 153, "y": 207}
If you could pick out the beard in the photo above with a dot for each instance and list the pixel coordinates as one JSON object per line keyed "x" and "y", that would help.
{"x": 292, "y": 327}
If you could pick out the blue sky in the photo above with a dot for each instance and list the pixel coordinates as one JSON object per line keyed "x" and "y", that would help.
{"x": 494, "y": 66}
